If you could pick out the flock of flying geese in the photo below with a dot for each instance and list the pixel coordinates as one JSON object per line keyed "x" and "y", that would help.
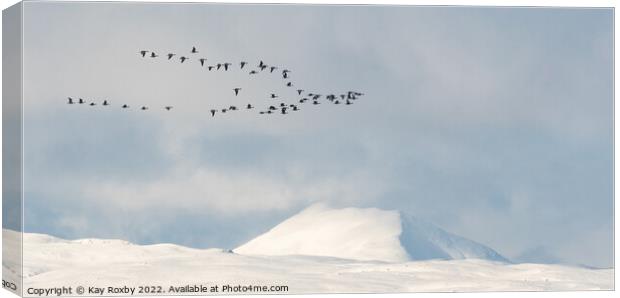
{"x": 346, "y": 98}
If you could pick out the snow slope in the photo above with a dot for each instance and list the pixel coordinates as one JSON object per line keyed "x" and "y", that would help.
{"x": 51, "y": 262}
{"x": 364, "y": 234}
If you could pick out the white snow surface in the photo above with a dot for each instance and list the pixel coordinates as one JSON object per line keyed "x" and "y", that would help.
{"x": 364, "y": 234}
{"x": 52, "y": 262}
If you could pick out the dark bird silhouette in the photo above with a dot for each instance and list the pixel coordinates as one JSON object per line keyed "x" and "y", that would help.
{"x": 282, "y": 104}
{"x": 285, "y": 73}
{"x": 93, "y": 104}
{"x": 218, "y": 66}
{"x": 269, "y": 112}
{"x": 105, "y": 103}
{"x": 289, "y": 84}
{"x": 249, "y": 106}
{"x": 263, "y": 67}
{"x": 271, "y": 69}
{"x": 299, "y": 91}
{"x": 316, "y": 96}
{"x": 342, "y": 96}
{"x": 261, "y": 112}
{"x": 348, "y": 102}
{"x": 70, "y": 100}
{"x": 232, "y": 108}
{"x": 194, "y": 51}
{"x": 210, "y": 67}
{"x": 295, "y": 108}
{"x": 80, "y": 101}
{"x": 168, "y": 108}
{"x": 213, "y": 113}
{"x": 253, "y": 72}
{"x": 283, "y": 110}
{"x": 243, "y": 63}
{"x": 303, "y": 100}
{"x": 183, "y": 58}
{"x": 261, "y": 64}
{"x": 316, "y": 103}
{"x": 153, "y": 55}
{"x": 237, "y": 91}
{"x": 125, "y": 106}
{"x": 226, "y": 66}
{"x": 144, "y": 108}
{"x": 202, "y": 61}
{"x": 143, "y": 53}
{"x": 337, "y": 102}
{"x": 170, "y": 55}
{"x": 272, "y": 108}
{"x": 224, "y": 110}
{"x": 273, "y": 95}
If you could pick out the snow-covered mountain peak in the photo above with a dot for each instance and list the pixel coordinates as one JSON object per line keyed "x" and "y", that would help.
{"x": 364, "y": 234}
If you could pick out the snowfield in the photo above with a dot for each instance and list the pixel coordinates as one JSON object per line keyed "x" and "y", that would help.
{"x": 320, "y": 250}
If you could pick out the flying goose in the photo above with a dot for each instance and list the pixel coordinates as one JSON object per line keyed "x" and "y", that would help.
{"x": 183, "y": 58}
{"x": 170, "y": 55}
{"x": 168, "y": 108}
{"x": 202, "y": 61}
{"x": 70, "y": 100}
{"x": 143, "y": 53}
{"x": 194, "y": 51}
{"x": 237, "y": 91}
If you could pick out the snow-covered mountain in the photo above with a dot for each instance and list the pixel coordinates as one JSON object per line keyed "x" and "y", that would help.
{"x": 364, "y": 234}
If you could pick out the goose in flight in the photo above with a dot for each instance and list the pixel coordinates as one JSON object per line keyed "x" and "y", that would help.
{"x": 143, "y": 53}
{"x": 70, "y": 100}
{"x": 170, "y": 55}
{"x": 273, "y": 95}
{"x": 202, "y": 61}
{"x": 183, "y": 58}
{"x": 80, "y": 101}
{"x": 105, "y": 103}
{"x": 348, "y": 102}
{"x": 283, "y": 110}
{"x": 168, "y": 108}
{"x": 249, "y": 107}
{"x": 210, "y": 67}
{"x": 315, "y": 102}
{"x": 261, "y": 64}
{"x": 224, "y": 110}
{"x": 218, "y": 66}
{"x": 289, "y": 84}
{"x": 144, "y": 108}
{"x": 213, "y": 113}
{"x": 237, "y": 91}
{"x": 232, "y": 108}
{"x": 271, "y": 69}
{"x": 153, "y": 55}
{"x": 242, "y": 63}
{"x": 226, "y": 66}
{"x": 125, "y": 106}
{"x": 93, "y": 104}
{"x": 253, "y": 72}
{"x": 272, "y": 108}
{"x": 299, "y": 91}
{"x": 194, "y": 51}
{"x": 263, "y": 67}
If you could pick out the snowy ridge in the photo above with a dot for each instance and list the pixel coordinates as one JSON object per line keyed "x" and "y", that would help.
{"x": 364, "y": 234}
